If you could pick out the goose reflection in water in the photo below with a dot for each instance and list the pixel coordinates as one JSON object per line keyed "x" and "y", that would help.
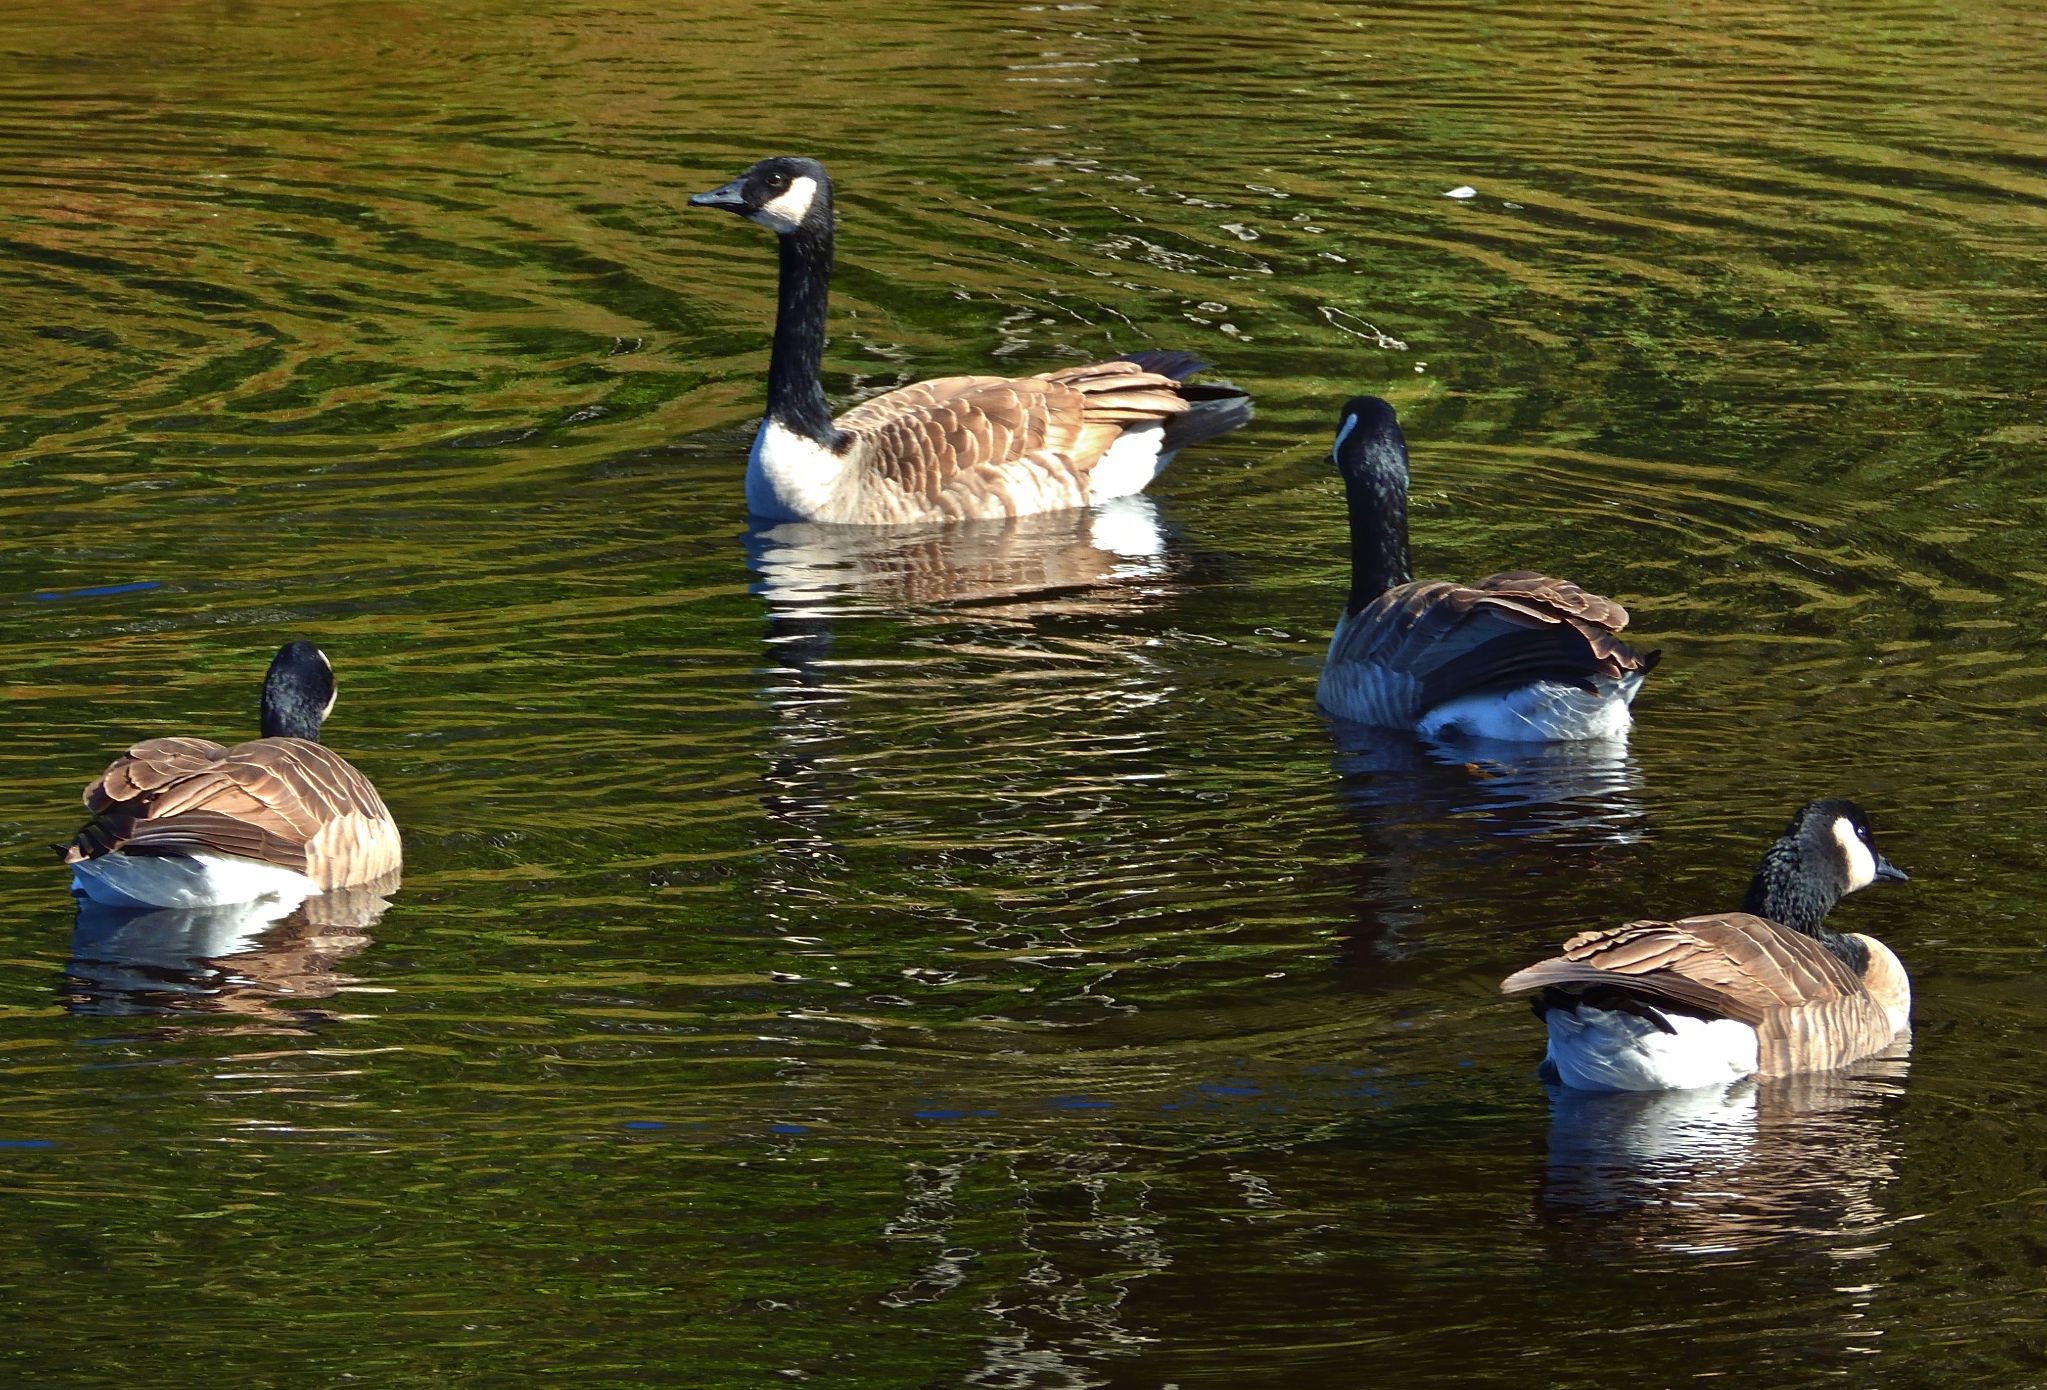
{"x": 1416, "y": 804}
{"x": 1052, "y": 562}
{"x": 1574, "y": 795}
{"x": 264, "y": 959}
{"x": 979, "y": 583}
{"x": 1723, "y": 1169}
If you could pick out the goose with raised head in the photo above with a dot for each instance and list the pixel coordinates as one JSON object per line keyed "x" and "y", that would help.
{"x": 1704, "y": 1001}
{"x": 184, "y": 822}
{"x": 954, "y": 447}
{"x": 1515, "y": 656}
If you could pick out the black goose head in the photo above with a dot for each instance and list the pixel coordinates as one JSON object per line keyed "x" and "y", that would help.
{"x": 1369, "y": 442}
{"x": 1826, "y": 853}
{"x": 785, "y": 193}
{"x": 298, "y": 692}
{"x": 1371, "y": 454}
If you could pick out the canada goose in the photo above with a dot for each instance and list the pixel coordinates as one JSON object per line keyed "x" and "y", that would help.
{"x": 184, "y": 822}
{"x": 1702, "y": 1001}
{"x": 1516, "y": 656}
{"x": 961, "y": 446}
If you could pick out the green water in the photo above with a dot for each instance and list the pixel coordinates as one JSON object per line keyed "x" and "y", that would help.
{"x": 967, "y": 959}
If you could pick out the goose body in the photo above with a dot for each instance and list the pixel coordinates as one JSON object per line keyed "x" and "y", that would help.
{"x": 186, "y": 822}
{"x": 955, "y": 447}
{"x": 1703, "y": 1001}
{"x": 1517, "y": 656}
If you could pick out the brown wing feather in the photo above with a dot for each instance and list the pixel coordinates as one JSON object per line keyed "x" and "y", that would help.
{"x": 148, "y": 766}
{"x": 283, "y": 801}
{"x": 1506, "y": 629}
{"x": 977, "y": 446}
{"x": 1731, "y": 965}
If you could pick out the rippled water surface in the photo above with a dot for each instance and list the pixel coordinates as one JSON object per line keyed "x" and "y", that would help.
{"x": 965, "y": 957}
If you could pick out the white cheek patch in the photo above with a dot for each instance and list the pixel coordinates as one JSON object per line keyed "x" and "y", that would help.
{"x": 786, "y": 213}
{"x": 1861, "y": 862}
{"x": 328, "y": 708}
{"x": 1350, "y": 422}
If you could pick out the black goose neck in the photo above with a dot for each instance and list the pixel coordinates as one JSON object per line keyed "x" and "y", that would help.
{"x": 1375, "y": 487}
{"x": 1794, "y": 891}
{"x": 795, "y": 391}
{"x": 287, "y": 714}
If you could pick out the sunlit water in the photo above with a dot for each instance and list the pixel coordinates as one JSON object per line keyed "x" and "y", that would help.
{"x": 965, "y": 957}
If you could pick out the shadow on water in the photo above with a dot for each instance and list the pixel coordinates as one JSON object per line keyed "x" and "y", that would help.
{"x": 1717, "y": 1170}
{"x": 266, "y": 960}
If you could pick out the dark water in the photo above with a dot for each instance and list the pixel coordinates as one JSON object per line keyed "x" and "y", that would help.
{"x": 966, "y": 958}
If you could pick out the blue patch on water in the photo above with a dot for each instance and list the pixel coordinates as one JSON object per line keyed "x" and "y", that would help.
{"x": 138, "y": 586}
{"x": 27, "y": 1144}
{"x": 788, "y": 1129}
{"x": 939, "y": 1114}
{"x": 1081, "y": 1103}
{"x": 645, "y": 1124}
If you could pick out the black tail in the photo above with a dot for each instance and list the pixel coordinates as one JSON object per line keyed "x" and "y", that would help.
{"x": 1216, "y": 406}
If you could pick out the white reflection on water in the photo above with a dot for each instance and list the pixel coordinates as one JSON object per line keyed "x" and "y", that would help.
{"x": 1050, "y": 562}
{"x": 1723, "y": 1169}
{"x": 245, "y": 958}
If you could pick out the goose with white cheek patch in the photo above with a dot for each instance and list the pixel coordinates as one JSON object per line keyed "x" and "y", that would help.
{"x": 184, "y": 822}
{"x": 955, "y": 447}
{"x": 1516, "y": 656}
{"x": 1705, "y": 1001}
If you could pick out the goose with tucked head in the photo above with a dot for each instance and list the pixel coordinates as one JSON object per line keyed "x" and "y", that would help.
{"x": 1704, "y": 1001}
{"x": 1516, "y": 656}
{"x": 954, "y": 447}
{"x": 184, "y": 822}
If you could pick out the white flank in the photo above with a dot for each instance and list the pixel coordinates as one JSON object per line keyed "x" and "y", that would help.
{"x": 1861, "y": 862}
{"x": 1539, "y": 712}
{"x": 1597, "y": 1050}
{"x": 185, "y": 880}
{"x": 1129, "y": 466}
{"x": 790, "y": 477}
{"x": 786, "y": 213}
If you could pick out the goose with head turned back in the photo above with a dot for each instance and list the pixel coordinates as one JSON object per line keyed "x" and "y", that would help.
{"x": 1704, "y": 1001}
{"x": 1515, "y": 656}
{"x": 954, "y": 447}
{"x": 184, "y": 822}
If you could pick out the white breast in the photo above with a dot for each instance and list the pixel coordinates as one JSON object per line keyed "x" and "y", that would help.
{"x": 790, "y": 477}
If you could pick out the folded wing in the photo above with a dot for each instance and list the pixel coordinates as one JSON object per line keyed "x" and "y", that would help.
{"x": 283, "y": 801}
{"x": 962, "y": 444}
{"x": 1451, "y": 640}
{"x": 1808, "y": 1008}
